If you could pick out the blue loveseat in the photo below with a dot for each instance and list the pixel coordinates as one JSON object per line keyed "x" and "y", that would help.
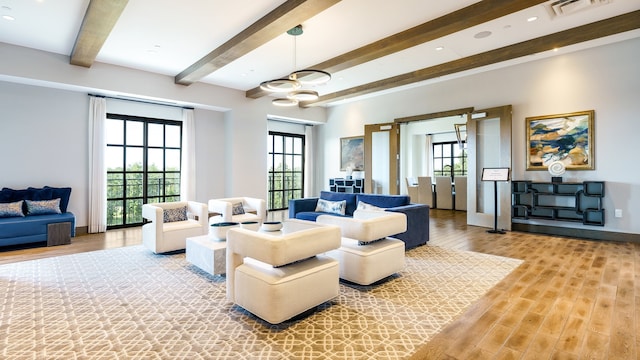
{"x": 32, "y": 224}
{"x": 417, "y": 214}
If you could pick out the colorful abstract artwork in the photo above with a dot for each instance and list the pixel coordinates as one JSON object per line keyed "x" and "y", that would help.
{"x": 567, "y": 138}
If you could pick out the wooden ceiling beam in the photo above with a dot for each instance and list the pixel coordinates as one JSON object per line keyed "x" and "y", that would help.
{"x": 607, "y": 27}
{"x": 272, "y": 25}
{"x": 99, "y": 19}
{"x": 467, "y": 17}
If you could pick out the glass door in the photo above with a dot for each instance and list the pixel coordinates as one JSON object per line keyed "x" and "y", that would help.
{"x": 489, "y": 144}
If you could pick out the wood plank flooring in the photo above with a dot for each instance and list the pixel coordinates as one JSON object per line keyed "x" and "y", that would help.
{"x": 570, "y": 299}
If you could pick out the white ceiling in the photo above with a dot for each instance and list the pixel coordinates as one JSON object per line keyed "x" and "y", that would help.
{"x": 167, "y": 36}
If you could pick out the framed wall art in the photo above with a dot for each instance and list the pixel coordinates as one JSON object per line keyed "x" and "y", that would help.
{"x": 565, "y": 138}
{"x": 352, "y": 153}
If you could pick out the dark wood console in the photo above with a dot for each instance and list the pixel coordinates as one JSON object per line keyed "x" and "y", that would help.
{"x": 578, "y": 202}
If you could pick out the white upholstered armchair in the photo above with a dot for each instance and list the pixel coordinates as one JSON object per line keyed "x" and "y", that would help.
{"x": 172, "y": 223}
{"x": 237, "y": 209}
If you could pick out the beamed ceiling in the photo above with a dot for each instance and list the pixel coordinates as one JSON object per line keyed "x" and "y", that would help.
{"x": 369, "y": 46}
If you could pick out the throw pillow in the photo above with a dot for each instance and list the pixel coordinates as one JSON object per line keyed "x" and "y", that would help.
{"x": 13, "y": 209}
{"x": 333, "y": 207}
{"x": 43, "y": 207}
{"x": 237, "y": 209}
{"x": 365, "y": 206}
{"x": 177, "y": 214}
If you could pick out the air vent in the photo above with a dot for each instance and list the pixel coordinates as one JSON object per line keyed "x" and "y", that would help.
{"x": 568, "y": 7}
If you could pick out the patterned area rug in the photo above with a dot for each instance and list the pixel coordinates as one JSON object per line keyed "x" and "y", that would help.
{"x": 128, "y": 303}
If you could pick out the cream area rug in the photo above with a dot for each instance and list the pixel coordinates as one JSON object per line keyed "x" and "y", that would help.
{"x": 128, "y": 303}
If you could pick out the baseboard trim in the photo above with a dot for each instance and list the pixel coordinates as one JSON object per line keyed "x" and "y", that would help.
{"x": 82, "y": 230}
{"x": 574, "y": 232}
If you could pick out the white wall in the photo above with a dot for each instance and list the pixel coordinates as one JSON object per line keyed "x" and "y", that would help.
{"x": 45, "y": 142}
{"x": 606, "y": 79}
{"x": 43, "y": 124}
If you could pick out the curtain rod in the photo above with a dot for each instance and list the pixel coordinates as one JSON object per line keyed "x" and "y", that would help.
{"x": 142, "y": 101}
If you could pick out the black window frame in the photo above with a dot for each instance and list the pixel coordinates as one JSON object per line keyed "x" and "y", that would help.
{"x": 169, "y": 179}
{"x": 281, "y": 195}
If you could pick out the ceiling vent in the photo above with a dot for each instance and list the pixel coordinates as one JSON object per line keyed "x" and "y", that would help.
{"x": 567, "y": 7}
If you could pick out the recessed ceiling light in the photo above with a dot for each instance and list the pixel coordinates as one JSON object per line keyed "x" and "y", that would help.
{"x": 8, "y": 17}
{"x": 440, "y": 48}
{"x": 533, "y": 18}
{"x": 482, "y": 34}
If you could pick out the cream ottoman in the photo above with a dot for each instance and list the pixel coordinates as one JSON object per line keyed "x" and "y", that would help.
{"x": 366, "y": 264}
{"x": 366, "y": 254}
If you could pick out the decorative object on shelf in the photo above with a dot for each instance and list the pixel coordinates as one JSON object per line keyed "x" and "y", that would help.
{"x": 349, "y": 171}
{"x": 271, "y": 226}
{"x": 567, "y": 138}
{"x": 561, "y": 201}
{"x": 556, "y": 169}
{"x": 296, "y": 80}
{"x": 352, "y": 153}
{"x": 218, "y": 231}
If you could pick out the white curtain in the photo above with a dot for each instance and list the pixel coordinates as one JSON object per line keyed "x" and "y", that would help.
{"x": 429, "y": 156}
{"x": 309, "y": 163}
{"x": 97, "y": 166}
{"x": 188, "y": 169}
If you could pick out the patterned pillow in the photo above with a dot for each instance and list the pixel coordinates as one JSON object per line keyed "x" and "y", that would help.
{"x": 42, "y": 207}
{"x": 333, "y": 207}
{"x": 237, "y": 209}
{"x": 366, "y": 206}
{"x": 172, "y": 215}
{"x": 13, "y": 209}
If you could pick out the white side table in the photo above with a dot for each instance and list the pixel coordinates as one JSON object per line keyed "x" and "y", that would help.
{"x": 207, "y": 254}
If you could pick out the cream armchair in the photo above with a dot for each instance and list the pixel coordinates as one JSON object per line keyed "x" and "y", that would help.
{"x": 253, "y": 209}
{"x": 367, "y": 254}
{"x": 172, "y": 223}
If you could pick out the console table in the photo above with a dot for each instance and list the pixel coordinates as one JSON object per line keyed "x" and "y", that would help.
{"x": 346, "y": 185}
{"x": 574, "y": 201}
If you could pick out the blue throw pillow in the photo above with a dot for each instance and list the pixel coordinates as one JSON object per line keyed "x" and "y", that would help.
{"x": 366, "y": 206}
{"x": 350, "y": 198}
{"x": 13, "y": 209}
{"x": 333, "y": 207}
{"x": 43, "y": 207}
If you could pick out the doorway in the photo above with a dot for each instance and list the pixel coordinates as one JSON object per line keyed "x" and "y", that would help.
{"x": 381, "y": 144}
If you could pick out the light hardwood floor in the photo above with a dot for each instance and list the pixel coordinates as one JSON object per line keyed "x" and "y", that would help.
{"x": 570, "y": 299}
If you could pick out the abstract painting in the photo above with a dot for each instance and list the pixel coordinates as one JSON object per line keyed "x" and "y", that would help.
{"x": 352, "y": 153}
{"x": 567, "y": 138}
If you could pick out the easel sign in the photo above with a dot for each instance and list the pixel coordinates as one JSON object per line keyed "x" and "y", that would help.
{"x": 495, "y": 174}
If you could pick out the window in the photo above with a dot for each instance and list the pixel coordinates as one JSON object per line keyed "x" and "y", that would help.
{"x": 143, "y": 166}
{"x": 286, "y": 169}
{"x": 449, "y": 159}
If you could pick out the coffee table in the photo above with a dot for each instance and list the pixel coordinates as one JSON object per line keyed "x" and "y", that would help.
{"x": 207, "y": 254}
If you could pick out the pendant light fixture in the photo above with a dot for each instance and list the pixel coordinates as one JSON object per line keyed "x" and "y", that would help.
{"x": 296, "y": 80}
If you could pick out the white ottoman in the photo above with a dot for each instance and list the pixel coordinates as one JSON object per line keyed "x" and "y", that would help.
{"x": 366, "y": 264}
{"x": 206, "y": 253}
{"x": 286, "y": 291}
{"x": 366, "y": 253}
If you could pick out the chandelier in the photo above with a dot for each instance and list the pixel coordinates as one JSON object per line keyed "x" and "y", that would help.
{"x": 293, "y": 85}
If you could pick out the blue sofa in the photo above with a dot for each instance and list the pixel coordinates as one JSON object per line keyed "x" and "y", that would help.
{"x": 32, "y": 227}
{"x": 417, "y": 214}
